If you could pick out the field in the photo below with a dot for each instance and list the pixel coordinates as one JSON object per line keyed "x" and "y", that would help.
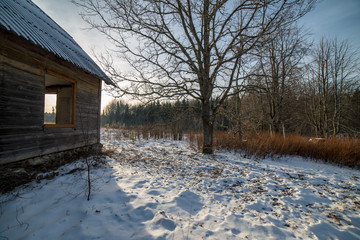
{"x": 164, "y": 189}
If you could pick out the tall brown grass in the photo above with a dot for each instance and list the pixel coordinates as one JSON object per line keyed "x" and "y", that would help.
{"x": 341, "y": 151}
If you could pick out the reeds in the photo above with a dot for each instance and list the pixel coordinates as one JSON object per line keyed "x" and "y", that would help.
{"x": 341, "y": 151}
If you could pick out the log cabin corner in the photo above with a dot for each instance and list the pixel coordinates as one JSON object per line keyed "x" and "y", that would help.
{"x": 39, "y": 61}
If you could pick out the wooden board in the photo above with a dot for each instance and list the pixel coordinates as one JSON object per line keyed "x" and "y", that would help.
{"x": 22, "y": 87}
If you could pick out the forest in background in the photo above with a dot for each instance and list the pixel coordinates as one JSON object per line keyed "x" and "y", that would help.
{"x": 292, "y": 87}
{"x": 249, "y": 113}
{"x": 243, "y": 124}
{"x": 252, "y": 133}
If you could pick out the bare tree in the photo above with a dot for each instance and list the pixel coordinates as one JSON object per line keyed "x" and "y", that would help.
{"x": 186, "y": 48}
{"x": 279, "y": 69}
{"x": 334, "y": 77}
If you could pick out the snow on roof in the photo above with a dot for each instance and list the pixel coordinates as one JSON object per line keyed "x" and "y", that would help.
{"x": 27, "y": 20}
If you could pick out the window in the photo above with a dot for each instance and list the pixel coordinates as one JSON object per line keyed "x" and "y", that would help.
{"x": 60, "y": 95}
{"x": 50, "y": 108}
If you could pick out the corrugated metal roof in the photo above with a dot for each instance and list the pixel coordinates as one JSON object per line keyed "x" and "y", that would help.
{"x": 27, "y": 20}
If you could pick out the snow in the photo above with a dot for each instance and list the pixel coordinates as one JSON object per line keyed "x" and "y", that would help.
{"x": 164, "y": 189}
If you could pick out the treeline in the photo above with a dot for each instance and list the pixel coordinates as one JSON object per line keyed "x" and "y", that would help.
{"x": 300, "y": 113}
{"x": 291, "y": 87}
{"x": 174, "y": 116}
{"x": 248, "y": 113}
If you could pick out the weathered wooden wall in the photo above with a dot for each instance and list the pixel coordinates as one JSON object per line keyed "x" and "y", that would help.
{"x": 22, "y": 74}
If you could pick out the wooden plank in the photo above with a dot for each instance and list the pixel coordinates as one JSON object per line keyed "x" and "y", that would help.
{"x": 22, "y": 132}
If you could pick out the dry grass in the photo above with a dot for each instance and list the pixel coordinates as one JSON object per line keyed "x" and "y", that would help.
{"x": 341, "y": 151}
{"x": 109, "y": 151}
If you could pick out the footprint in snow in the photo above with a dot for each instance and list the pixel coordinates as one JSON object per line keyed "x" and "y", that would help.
{"x": 162, "y": 221}
{"x": 153, "y": 192}
{"x": 140, "y": 184}
{"x": 142, "y": 214}
{"x": 165, "y": 223}
{"x": 189, "y": 202}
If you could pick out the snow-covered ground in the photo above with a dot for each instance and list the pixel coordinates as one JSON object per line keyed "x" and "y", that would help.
{"x": 164, "y": 189}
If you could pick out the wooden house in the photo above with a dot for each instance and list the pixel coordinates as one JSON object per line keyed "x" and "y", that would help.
{"x": 40, "y": 61}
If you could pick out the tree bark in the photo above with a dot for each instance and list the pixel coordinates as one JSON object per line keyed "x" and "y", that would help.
{"x": 207, "y": 125}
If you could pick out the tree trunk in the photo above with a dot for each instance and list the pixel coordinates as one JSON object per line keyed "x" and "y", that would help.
{"x": 207, "y": 128}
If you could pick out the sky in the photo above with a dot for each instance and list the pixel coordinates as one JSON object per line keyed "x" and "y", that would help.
{"x": 340, "y": 18}
{"x": 330, "y": 18}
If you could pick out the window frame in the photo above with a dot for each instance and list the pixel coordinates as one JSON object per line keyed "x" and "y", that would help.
{"x": 74, "y": 85}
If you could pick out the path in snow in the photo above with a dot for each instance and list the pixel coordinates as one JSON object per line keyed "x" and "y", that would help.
{"x": 163, "y": 189}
